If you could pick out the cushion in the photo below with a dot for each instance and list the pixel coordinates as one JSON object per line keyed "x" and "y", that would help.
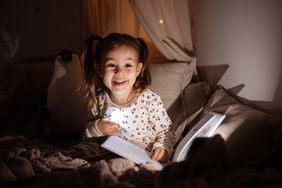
{"x": 252, "y": 135}
{"x": 65, "y": 101}
{"x": 188, "y": 105}
{"x": 169, "y": 79}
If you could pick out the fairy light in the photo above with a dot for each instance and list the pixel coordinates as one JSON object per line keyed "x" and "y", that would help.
{"x": 161, "y": 21}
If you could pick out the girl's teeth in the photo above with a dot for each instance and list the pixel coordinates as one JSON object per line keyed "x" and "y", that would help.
{"x": 119, "y": 82}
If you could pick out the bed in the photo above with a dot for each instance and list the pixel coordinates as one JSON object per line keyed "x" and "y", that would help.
{"x": 245, "y": 152}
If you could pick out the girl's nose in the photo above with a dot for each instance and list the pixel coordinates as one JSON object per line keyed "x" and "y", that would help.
{"x": 119, "y": 71}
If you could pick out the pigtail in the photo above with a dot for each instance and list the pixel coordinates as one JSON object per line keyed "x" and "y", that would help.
{"x": 89, "y": 70}
{"x": 143, "y": 50}
{"x": 144, "y": 78}
{"x": 89, "y": 57}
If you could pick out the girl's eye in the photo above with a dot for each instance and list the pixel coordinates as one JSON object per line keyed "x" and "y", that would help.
{"x": 111, "y": 65}
{"x": 128, "y": 65}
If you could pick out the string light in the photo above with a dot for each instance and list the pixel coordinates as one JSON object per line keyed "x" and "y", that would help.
{"x": 161, "y": 21}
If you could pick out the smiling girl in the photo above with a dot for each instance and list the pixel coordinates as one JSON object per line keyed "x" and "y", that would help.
{"x": 116, "y": 77}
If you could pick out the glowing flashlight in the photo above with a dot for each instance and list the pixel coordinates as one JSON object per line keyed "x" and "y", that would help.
{"x": 118, "y": 117}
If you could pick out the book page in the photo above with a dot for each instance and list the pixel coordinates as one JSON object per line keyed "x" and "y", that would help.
{"x": 204, "y": 128}
{"x": 130, "y": 151}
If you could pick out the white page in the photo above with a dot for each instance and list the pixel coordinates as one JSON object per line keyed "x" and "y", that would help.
{"x": 130, "y": 151}
{"x": 204, "y": 128}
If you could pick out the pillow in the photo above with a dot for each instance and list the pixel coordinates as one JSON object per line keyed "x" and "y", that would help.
{"x": 169, "y": 79}
{"x": 188, "y": 105}
{"x": 252, "y": 136}
{"x": 65, "y": 101}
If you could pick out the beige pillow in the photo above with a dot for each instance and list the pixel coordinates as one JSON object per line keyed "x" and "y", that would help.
{"x": 169, "y": 79}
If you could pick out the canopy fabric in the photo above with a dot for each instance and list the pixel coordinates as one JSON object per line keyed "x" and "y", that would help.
{"x": 167, "y": 23}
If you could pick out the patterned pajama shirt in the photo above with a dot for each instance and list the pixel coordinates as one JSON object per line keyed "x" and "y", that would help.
{"x": 143, "y": 121}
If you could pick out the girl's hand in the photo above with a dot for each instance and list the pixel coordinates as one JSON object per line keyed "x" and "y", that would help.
{"x": 107, "y": 127}
{"x": 160, "y": 154}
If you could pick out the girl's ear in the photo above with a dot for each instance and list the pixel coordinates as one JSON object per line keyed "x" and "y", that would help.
{"x": 139, "y": 69}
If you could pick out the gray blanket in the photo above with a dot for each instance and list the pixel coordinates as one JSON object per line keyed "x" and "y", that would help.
{"x": 36, "y": 163}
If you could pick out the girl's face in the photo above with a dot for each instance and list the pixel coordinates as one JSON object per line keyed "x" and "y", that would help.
{"x": 120, "y": 70}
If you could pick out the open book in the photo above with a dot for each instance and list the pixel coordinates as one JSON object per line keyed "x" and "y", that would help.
{"x": 204, "y": 128}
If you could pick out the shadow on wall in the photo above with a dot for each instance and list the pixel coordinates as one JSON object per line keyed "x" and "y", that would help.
{"x": 274, "y": 106}
{"x": 44, "y": 27}
{"x": 277, "y": 97}
{"x": 212, "y": 73}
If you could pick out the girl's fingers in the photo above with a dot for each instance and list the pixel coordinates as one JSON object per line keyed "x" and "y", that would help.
{"x": 112, "y": 128}
{"x": 155, "y": 155}
{"x": 158, "y": 153}
{"x": 114, "y": 131}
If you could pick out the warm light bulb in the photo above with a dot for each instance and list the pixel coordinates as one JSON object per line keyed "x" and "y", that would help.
{"x": 161, "y": 21}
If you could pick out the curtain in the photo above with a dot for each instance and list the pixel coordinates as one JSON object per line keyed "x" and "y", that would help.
{"x": 167, "y": 23}
{"x": 107, "y": 16}
{"x": 95, "y": 17}
{"x": 102, "y": 17}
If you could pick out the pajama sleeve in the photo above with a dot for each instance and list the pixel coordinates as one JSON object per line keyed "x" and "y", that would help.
{"x": 91, "y": 129}
{"x": 162, "y": 125}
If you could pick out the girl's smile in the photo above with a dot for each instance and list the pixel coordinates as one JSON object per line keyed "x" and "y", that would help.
{"x": 120, "y": 71}
{"x": 117, "y": 83}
